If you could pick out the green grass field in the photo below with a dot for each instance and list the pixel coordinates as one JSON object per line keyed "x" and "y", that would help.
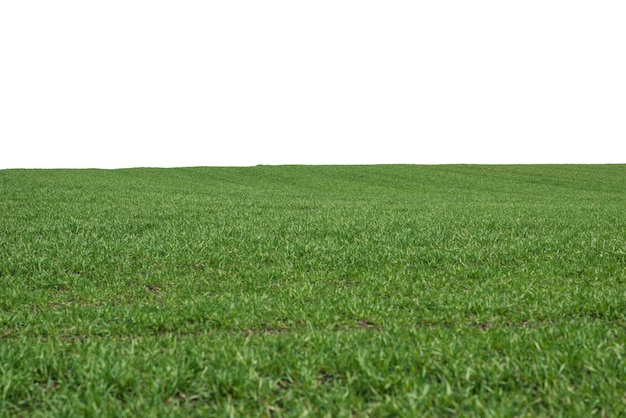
{"x": 314, "y": 290}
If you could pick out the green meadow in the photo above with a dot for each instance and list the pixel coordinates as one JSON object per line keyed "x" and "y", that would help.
{"x": 340, "y": 291}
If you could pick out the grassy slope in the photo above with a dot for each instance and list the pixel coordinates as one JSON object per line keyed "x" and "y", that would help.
{"x": 333, "y": 290}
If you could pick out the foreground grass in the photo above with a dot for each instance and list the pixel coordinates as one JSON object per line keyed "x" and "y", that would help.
{"x": 340, "y": 291}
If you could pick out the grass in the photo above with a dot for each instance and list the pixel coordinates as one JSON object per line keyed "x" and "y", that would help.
{"x": 314, "y": 290}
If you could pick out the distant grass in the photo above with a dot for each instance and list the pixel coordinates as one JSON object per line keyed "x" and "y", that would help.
{"x": 327, "y": 290}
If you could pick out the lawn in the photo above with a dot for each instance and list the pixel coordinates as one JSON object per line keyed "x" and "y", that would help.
{"x": 454, "y": 290}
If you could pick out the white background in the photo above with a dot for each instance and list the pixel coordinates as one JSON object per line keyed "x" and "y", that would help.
{"x": 128, "y": 83}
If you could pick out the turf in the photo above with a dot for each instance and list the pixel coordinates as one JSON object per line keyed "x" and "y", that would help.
{"x": 314, "y": 290}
